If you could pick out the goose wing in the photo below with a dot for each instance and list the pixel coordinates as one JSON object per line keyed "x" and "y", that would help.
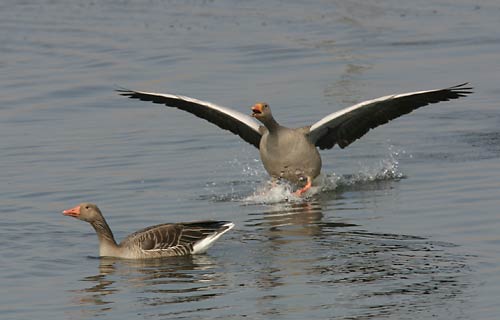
{"x": 345, "y": 126}
{"x": 177, "y": 239}
{"x": 225, "y": 118}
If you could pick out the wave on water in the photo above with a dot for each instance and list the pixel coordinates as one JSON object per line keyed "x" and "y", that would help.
{"x": 269, "y": 192}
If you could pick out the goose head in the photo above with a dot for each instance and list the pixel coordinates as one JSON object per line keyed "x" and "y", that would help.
{"x": 88, "y": 212}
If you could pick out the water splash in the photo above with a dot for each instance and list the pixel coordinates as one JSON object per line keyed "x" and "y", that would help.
{"x": 385, "y": 169}
{"x": 253, "y": 191}
{"x": 280, "y": 191}
{"x": 236, "y": 190}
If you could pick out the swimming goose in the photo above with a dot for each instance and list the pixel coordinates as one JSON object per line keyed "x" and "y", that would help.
{"x": 163, "y": 240}
{"x": 292, "y": 154}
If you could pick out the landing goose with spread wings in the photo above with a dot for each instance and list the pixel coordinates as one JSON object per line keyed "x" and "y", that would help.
{"x": 291, "y": 153}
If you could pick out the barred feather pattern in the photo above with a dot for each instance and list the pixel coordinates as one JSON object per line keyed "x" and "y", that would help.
{"x": 168, "y": 240}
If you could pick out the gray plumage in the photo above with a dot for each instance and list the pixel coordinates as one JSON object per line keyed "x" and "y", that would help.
{"x": 163, "y": 240}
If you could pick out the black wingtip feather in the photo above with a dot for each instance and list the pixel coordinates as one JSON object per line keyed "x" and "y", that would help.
{"x": 461, "y": 90}
{"x": 123, "y": 90}
{"x": 127, "y": 93}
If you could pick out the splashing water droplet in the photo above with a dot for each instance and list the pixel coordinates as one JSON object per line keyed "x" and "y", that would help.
{"x": 385, "y": 169}
{"x": 282, "y": 191}
{"x": 279, "y": 192}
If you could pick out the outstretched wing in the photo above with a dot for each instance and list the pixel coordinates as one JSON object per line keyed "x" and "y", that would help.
{"x": 345, "y": 126}
{"x": 225, "y": 118}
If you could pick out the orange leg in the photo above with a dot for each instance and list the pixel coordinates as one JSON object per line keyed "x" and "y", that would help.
{"x": 305, "y": 188}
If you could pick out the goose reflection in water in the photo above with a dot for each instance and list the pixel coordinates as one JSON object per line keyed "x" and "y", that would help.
{"x": 158, "y": 282}
{"x": 288, "y": 219}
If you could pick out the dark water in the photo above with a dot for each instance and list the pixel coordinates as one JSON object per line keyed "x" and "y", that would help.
{"x": 405, "y": 224}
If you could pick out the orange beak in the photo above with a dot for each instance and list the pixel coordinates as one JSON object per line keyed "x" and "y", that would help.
{"x": 257, "y": 109}
{"x": 73, "y": 212}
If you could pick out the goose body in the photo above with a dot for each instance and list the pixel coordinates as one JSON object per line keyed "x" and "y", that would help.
{"x": 159, "y": 241}
{"x": 292, "y": 154}
{"x": 287, "y": 154}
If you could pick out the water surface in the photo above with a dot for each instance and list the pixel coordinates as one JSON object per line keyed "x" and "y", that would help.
{"x": 404, "y": 224}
